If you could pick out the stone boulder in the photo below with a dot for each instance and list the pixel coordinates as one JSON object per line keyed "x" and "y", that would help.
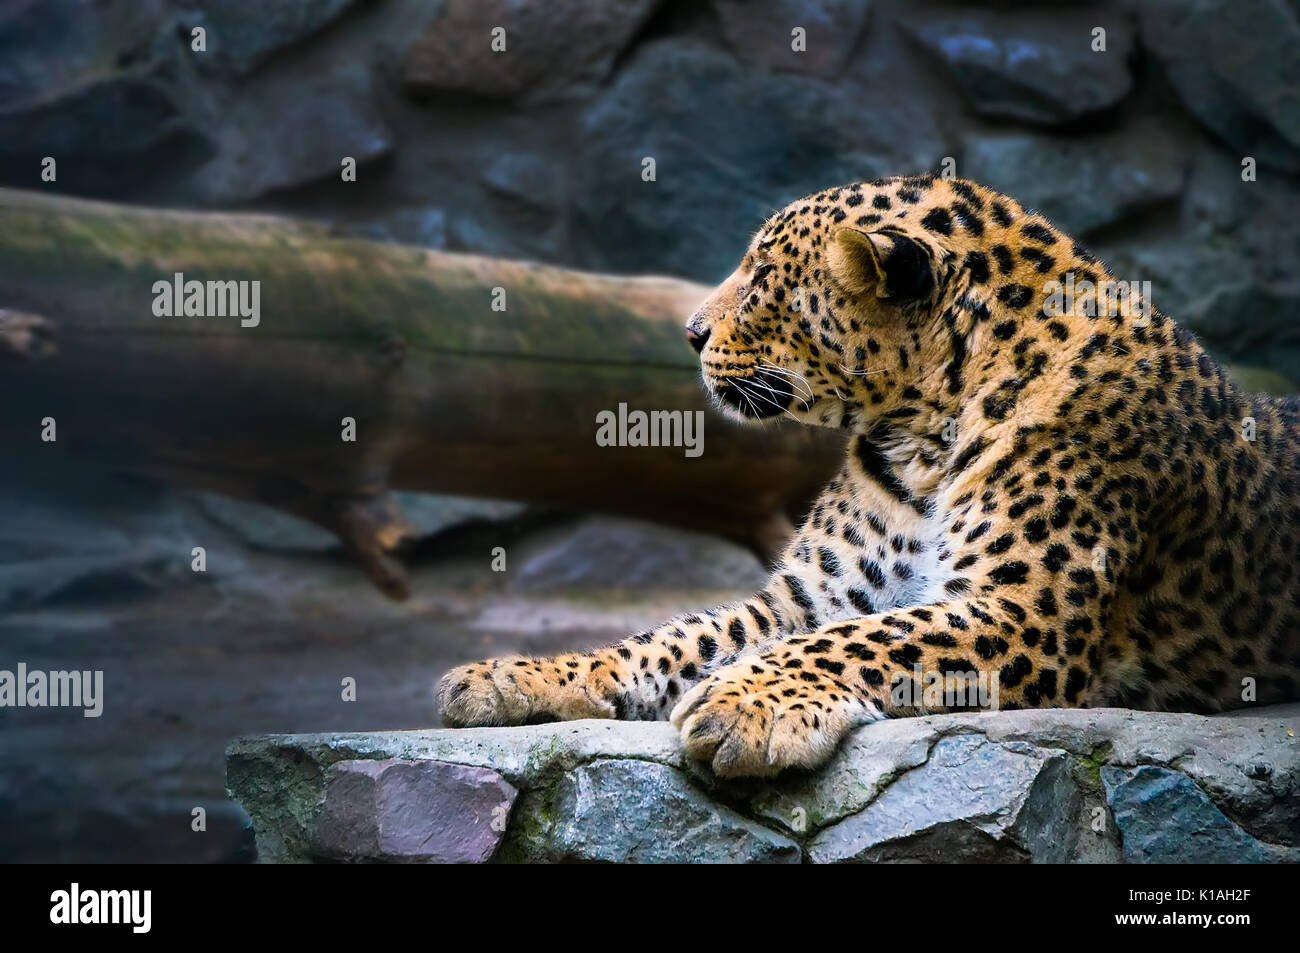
{"x": 832, "y": 29}
{"x": 609, "y": 552}
{"x": 411, "y": 812}
{"x": 546, "y": 45}
{"x": 245, "y": 33}
{"x": 263, "y": 527}
{"x": 730, "y": 145}
{"x": 1031, "y": 66}
{"x": 1121, "y": 176}
{"x": 658, "y": 816}
{"x": 1104, "y": 785}
{"x": 293, "y": 132}
{"x": 1165, "y": 818}
{"x": 1236, "y": 66}
{"x": 103, "y": 94}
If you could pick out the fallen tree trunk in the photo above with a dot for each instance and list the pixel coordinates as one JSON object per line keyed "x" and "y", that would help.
{"x": 447, "y": 394}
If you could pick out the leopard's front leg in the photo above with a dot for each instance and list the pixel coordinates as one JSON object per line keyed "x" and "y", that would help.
{"x": 1031, "y": 626}
{"x": 790, "y": 706}
{"x": 819, "y": 576}
{"x": 638, "y": 678}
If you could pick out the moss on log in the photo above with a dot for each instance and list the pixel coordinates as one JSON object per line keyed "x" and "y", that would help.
{"x": 448, "y": 394}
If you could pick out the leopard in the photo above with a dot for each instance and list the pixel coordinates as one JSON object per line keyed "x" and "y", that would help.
{"x": 1063, "y": 495}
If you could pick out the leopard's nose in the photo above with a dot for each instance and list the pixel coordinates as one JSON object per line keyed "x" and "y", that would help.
{"x": 697, "y": 339}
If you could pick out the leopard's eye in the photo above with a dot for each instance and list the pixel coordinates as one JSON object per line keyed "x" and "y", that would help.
{"x": 760, "y": 271}
{"x": 756, "y": 277}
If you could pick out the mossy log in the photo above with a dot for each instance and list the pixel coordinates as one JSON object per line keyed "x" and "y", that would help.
{"x": 448, "y": 395}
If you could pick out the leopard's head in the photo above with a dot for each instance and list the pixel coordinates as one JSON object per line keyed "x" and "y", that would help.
{"x": 835, "y": 315}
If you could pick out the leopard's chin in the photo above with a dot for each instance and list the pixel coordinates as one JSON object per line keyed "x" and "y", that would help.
{"x": 761, "y": 395}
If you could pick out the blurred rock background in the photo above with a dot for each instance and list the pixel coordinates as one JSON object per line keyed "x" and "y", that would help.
{"x": 537, "y": 153}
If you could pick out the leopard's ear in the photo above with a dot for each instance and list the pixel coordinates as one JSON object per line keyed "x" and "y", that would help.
{"x": 889, "y": 263}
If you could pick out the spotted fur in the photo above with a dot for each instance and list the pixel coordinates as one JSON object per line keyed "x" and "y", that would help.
{"x": 1066, "y": 500}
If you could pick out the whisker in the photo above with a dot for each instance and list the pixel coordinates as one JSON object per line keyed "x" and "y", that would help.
{"x": 772, "y": 390}
{"x": 788, "y": 374}
{"x": 749, "y": 403}
{"x": 784, "y": 410}
{"x": 764, "y": 398}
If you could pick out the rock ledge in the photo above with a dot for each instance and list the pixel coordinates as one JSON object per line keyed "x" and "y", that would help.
{"x": 1105, "y": 785}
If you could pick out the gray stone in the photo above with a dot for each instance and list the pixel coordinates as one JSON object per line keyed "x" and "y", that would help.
{"x": 548, "y": 46}
{"x": 91, "y": 41}
{"x": 267, "y": 528}
{"x": 1251, "y": 323}
{"x": 864, "y": 765}
{"x": 832, "y": 28}
{"x": 264, "y": 526}
{"x": 1164, "y": 818}
{"x": 1188, "y": 276}
{"x": 1120, "y": 175}
{"x": 133, "y": 538}
{"x": 1217, "y": 200}
{"x": 280, "y": 134}
{"x": 723, "y": 163}
{"x": 971, "y": 801}
{"x": 1033, "y": 66}
{"x": 620, "y": 553}
{"x": 1236, "y": 65}
{"x": 412, "y": 812}
{"x": 102, "y": 92}
{"x": 1000, "y": 787}
{"x": 524, "y": 177}
{"x": 624, "y": 811}
{"x": 244, "y": 33}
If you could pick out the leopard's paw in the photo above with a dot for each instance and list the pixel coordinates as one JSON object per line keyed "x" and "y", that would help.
{"x": 517, "y": 691}
{"x": 746, "y": 725}
{"x": 468, "y": 696}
